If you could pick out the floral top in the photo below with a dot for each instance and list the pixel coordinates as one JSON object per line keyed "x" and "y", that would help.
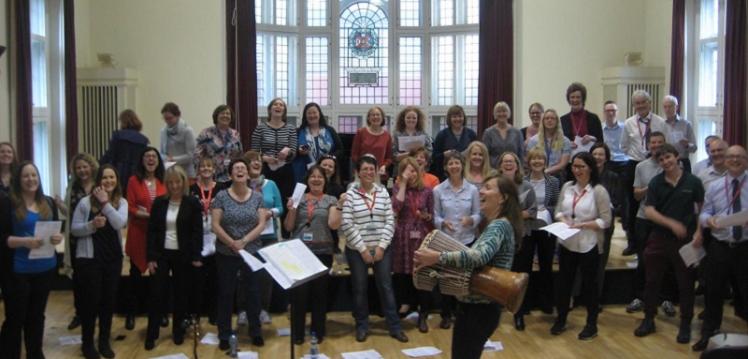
{"x": 221, "y": 147}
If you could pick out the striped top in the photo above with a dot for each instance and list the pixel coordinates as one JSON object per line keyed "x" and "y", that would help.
{"x": 494, "y": 247}
{"x": 365, "y": 224}
{"x": 269, "y": 141}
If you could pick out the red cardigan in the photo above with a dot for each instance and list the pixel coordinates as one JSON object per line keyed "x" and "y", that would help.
{"x": 137, "y": 228}
{"x": 378, "y": 145}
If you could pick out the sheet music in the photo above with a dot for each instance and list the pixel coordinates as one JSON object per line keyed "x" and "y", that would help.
{"x": 290, "y": 262}
{"x": 298, "y": 192}
{"x": 421, "y": 352}
{"x": 408, "y": 143}
{"x": 736, "y": 219}
{"x": 269, "y": 227}
{"x": 278, "y": 276}
{"x": 251, "y": 260}
{"x": 364, "y": 354}
{"x": 690, "y": 254}
{"x": 560, "y": 230}
{"x": 45, "y": 230}
{"x": 580, "y": 146}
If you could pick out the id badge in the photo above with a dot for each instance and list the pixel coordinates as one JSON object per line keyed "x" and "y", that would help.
{"x": 227, "y": 162}
{"x": 415, "y": 235}
{"x": 372, "y": 227}
{"x": 307, "y": 237}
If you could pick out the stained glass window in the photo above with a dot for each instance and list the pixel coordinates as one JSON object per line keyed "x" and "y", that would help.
{"x": 364, "y": 65}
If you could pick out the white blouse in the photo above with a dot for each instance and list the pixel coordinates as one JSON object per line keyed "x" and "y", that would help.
{"x": 585, "y": 210}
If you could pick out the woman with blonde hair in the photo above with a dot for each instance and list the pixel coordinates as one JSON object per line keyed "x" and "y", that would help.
{"x": 551, "y": 140}
{"x": 478, "y": 167}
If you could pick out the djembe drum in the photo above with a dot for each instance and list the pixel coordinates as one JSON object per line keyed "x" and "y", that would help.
{"x": 505, "y": 287}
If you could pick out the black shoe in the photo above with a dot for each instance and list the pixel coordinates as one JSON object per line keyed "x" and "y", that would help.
{"x": 547, "y": 310}
{"x": 400, "y": 336}
{"x": 223, "y": 344}
{"x": 589, "y": 332}
{"x": 106, "y": 350}
{"x": 519, "y": 322}
{"x": 130, "y": 322}
{"x": 559, "y": 326}
{"x": 629, "y": 251}
{"x": 647, "y": 327}
{"x": 258, "y": 341}
{"x": 361, "y": 335}
{"x": 89, "y": 352}
{"x": 423, "y": 324}
{"x": 700, "y": 346}
{"x": 684, "y": 333}
{"x": 446, "y": 323}
{"x": 74, "y": 323}
{"x": 178, "y": 338}
{"x": 164, "y": 322}
{"x": 150, "y": 344}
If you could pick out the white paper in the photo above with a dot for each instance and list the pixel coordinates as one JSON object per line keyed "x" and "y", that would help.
{"x": 560, "y": 230}
{"x": 690, "y": 254}
{"x": 408, "y": 143}
{"x": 247, "y": 355}
{"x": 45, "y": 230}
{"x": 545, "y": 216}
{"x": 278, "y": 276}
{"x": 283, "y": 332}
{"x": 632, "y": 264}
{"x": 70, "y": 340}
{"x": 269, "y": 227}
{"x": 298, "y": 192}
{"x": 210, "y": 339}
{"x": 294, "y": 258}
{"x": 172, "y": 356}
{"x": 580, "y": 146}
{"x": 736, "y": 219}
{"x": 364, "y": 354}
{"x": 276, "y": 165}
{"x": 421, "y": 352}
{"x": 251, "y": 260}
{"x": 493, "y": 346}
{"x": 168, "y": 164}
{"x": 676, "y": 136}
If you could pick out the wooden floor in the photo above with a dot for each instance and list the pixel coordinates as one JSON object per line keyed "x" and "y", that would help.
{"x": 615, "y": 338}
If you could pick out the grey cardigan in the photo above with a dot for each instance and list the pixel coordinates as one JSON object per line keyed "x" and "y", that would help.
{"x": 178, "y": 142}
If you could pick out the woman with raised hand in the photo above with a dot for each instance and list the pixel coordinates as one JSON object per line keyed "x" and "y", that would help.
{"x": 175, "y": 240}
{"x": 97, "y": 223}
{"x": 374, "y": 140}
{"x": 551, "y": 140}
{"x": 478, "y": 167}
{"x": 31, "y": 277}
{"x": 220, "y": 142}
{"x": 478, "y": 316}
{"x": 584, "y": 204}
{"x": 368, "y": 225}
{"x": 83, "y": 171}
{"x": 317, "y": 215}
{"x": 316, "y": 139}
{"x": 276, "y": 140}
{"x": 145, "y": 185}
{"x": 454, "y": 138}
{"x": 238, "y": 219}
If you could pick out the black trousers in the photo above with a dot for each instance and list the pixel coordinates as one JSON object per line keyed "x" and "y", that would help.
{"x": 721, "y": 264}
{"x": 206, "y": 288}
{"x": 97, "y": 282}
{"x": 26, "y": 300}
{"x": 545, "y": 244}
{"x": 406, "y": 293}
{"x": 662, "y": 252}
{"x": 474, "y": 324}
{"x": 228, "y": 269}
{"x": 587, "y": 263}
{"x": 137, "y": 292}
{"x": 632, "y": 205}
{"x": 181, "y": 284}
{"x": 312, "y": 294}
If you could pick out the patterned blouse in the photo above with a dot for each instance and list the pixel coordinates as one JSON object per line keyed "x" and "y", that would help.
{"x": 221, "y": 147}
{"x": 410, "y": 229}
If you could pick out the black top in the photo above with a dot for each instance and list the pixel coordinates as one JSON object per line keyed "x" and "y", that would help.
{"x": 106, "y": 243}
{"x": 125, "y": 148}
{"x": 220, "y": 186}
{"x": 594, "y": 127}
{"x": 446, "y": 140}
{"x": 611, "y": 182}
{"x": 335, "y": 190}
{"x": 189, "y": 228}
{"x": 676, "y": 202}
{"x": 6, "y": 253}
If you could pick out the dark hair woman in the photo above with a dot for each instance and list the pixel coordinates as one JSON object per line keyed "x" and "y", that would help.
{"x": 219, "y": 142}
{"x": 454, "y": 138}
{"x": 125, "y": 145}
{"x": 316, "y": 139}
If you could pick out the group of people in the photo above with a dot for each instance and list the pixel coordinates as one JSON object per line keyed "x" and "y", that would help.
{"x": 192, "y": 205}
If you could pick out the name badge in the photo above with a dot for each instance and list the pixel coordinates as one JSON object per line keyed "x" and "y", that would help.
{"x": 307, "y": 237}
{"x": 371, "y": 227}
{"x": 415, "y": 235}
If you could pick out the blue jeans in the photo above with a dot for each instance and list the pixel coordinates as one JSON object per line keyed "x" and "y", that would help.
{"x": 383, "y": 279}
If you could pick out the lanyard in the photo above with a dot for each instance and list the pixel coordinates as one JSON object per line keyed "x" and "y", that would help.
{"x": 574, "y": 202}
{"x": 577, "y": 128}
{"x": 737, "y": 193}
{"x": 310, "y": 207}
{"x": 206, "y": 200}
{"x": 370, "y": 207}
{"x": 548, "y": 149}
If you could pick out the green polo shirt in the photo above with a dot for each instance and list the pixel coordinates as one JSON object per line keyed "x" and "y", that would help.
{"x": 676, "y": 202}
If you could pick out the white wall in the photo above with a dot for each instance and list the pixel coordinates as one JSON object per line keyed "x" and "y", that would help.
{"x": 5, "y": 128}
{"x": 178, "y": 47}
{"x": 559, "y": 42}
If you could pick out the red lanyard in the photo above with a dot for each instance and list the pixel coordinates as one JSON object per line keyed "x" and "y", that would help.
{"x": 577, "y": 128}
{"x": 310, "y": 206}
{"x": 574, "y": 202}
{"x": 206, "y": 200}
{"x": 370, "y": 207}
{"x": 737, "y": 193}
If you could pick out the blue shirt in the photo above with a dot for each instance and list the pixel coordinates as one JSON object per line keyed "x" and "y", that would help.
{"x": 612, "y": 137}
{"x": 718, "y": 202}
{"x": 21, "y": 261}
{"x": 452, "y": 206}
{"x": 553, "y": 156}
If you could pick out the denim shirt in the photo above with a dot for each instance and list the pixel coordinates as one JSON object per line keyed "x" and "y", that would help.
{"x": 453, "y": 206}
{"x": 612, "y": 137}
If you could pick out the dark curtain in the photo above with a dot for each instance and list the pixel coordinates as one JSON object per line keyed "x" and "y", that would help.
{"x": 677, "y": 50}
{"x": 735, "y": 75}
{"x": 241, "y": 66}
{"x": 71, "y": 92}
{"x": 24, "y": 106}
{"x": 496, "y": 69}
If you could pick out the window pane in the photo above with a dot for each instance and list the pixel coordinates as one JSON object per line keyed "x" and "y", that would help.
{"x": 281, "y": 67}
{"x": 316, "y": 12}
{"x": 261, "y": 85}
{"x": 473, "y": 13}
{"x": 444, "y": 66}
{"x": 708, "y": 19}
{"x": 410, "y": 71}
{"x": 316, "y": 70}
{"x": 281, "y": 12}
{"x": 258, "y": 11}
{"x": 349, "y": 124}
{"x": 443, "y": 13}
{"x": 410, "y": 13}
{"x": 41, "y": 152}
{"x": 38, "y": 73}
{"x": 471, "y": 70}
{"x": 708, "y": 74}
{"x": 364, "y": 65}
{"x": 38, "y": 22}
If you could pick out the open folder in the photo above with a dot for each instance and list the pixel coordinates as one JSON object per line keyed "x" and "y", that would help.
{"x": 290, "y": 263}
